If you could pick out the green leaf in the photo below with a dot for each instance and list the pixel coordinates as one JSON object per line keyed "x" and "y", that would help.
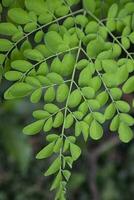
{"x": 48, "y": 125}
{"x": 62, "y": 93}
{"x": 68, "y": 63}
{"x": 123, "y": 106}
{"x": 122, "y": 74}
{"x": 92, "y": 27}
{"x": 125, "y": 133}
{"x": 18, "y": 15}
{"x": 5, "y": 45}
{"x": 20, "y": 89}
{"x": 33, "y": 54}
{"x": 96, "y": 131}
{"x": 33, "y": 81}
{"x": 7, "y": 3}
{"x": 66, "y": 174}
{"x": 78, "y": 128}
{"x": 21, "y": 65}
{"x": 51, "y": 108}
{"x": 56, "y": 65}
{"x": 53, "y": 40}
{"x": 81, "y": 20}
{"x": 68, "y": 121}
{"x": 95, "y": 83}
{"x": 89, "y": 5}
{"x": 57, "y": 181}
{"x": 99, "y": 117}
{"x": 66, "y": 145}
{"x": 109, "y": 66}
{"x": 52, "y": 137}
{"x": 82, "y": 64}
{"x": 85, "y": 130}
{"x": 58, "y": 145}
{"x": 131, "y": 37}
{"x": 93, "y": 104}
{"x": 75, "y": 151}
{"x": 58, "y": 121}
{"x": 54, "y": 167}
{"x": 126, "y": 118}
{"x": 62, "y": 11}
{"x": 110, "y": 111}
{"x": 46, "y": 151}
{"x": 88, "y": 119}
{"x": 113, "y": 11}
{"x": 55, "y": 78}
{"x": 34, "y": 128}
{"x": 37, "y": 7}
{"x": 128, "y": 87}
{"x": 102, "y": 98}
{"x": 88, "y": 92}
{"x": 43, "y": 69}
{"x": 116, "y": 93}
{"x": 114, "y": 123}
{"x": 40, "y": 114}
{"x": 36, "y": 95}
{"x": 79, "y": 115}
{"x": 84, "y": 77}
{"x": 7, "y": 28}
{"x": 38, "y": 36}
{"x": 13, "y": 75}
{"x": 95, "y": 47}
{"x": 49, "y": 94}
{"x": 74, "y": 99}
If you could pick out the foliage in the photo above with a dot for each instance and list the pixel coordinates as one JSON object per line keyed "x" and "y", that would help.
{"x": 79, "y": 63}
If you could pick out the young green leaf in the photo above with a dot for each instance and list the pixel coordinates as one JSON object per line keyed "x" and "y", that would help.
{"x": 51, "y": 108}
{"x": 48, "y": 125}
{"x": 89, "y": 5}
{"x": 5, "y": 45}
{"x": 36, "y": 95}
{"x": 49, "y": 94}
{"x": 96, "y": 131}
{"x": 75, "y": 151}
{"x": 33, "y": 54}
{"x": 54, "y": 167}
{"x": 53, "y": 40}
{"x": 20, "y": 89}
{"x": 125, "y": 133}
{"x": 18, "y": 15}
{"x": 34, "y": 128}
{"x": 62, "y": 93}
{"x": 7, "y": 28}
{"x": 21, "y": 65}
{"x": 128, "y": 87}
{"x": 58, "y": 121}
{"x": 46, "y": 151}
{"x": 74, "y": 99}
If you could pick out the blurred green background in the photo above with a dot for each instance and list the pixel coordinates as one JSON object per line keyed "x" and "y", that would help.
{"x": 105, "y": 170}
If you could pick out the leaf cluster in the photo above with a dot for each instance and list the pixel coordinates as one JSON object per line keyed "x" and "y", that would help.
{"x": 78, "y": 64}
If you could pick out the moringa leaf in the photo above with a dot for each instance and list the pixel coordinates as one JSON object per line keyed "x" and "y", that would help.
{"x": 5, "y": 45}
{"x": 89, "y": 5}
{"x": 34, "y": 128}
{"x": 18, "y": 15}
